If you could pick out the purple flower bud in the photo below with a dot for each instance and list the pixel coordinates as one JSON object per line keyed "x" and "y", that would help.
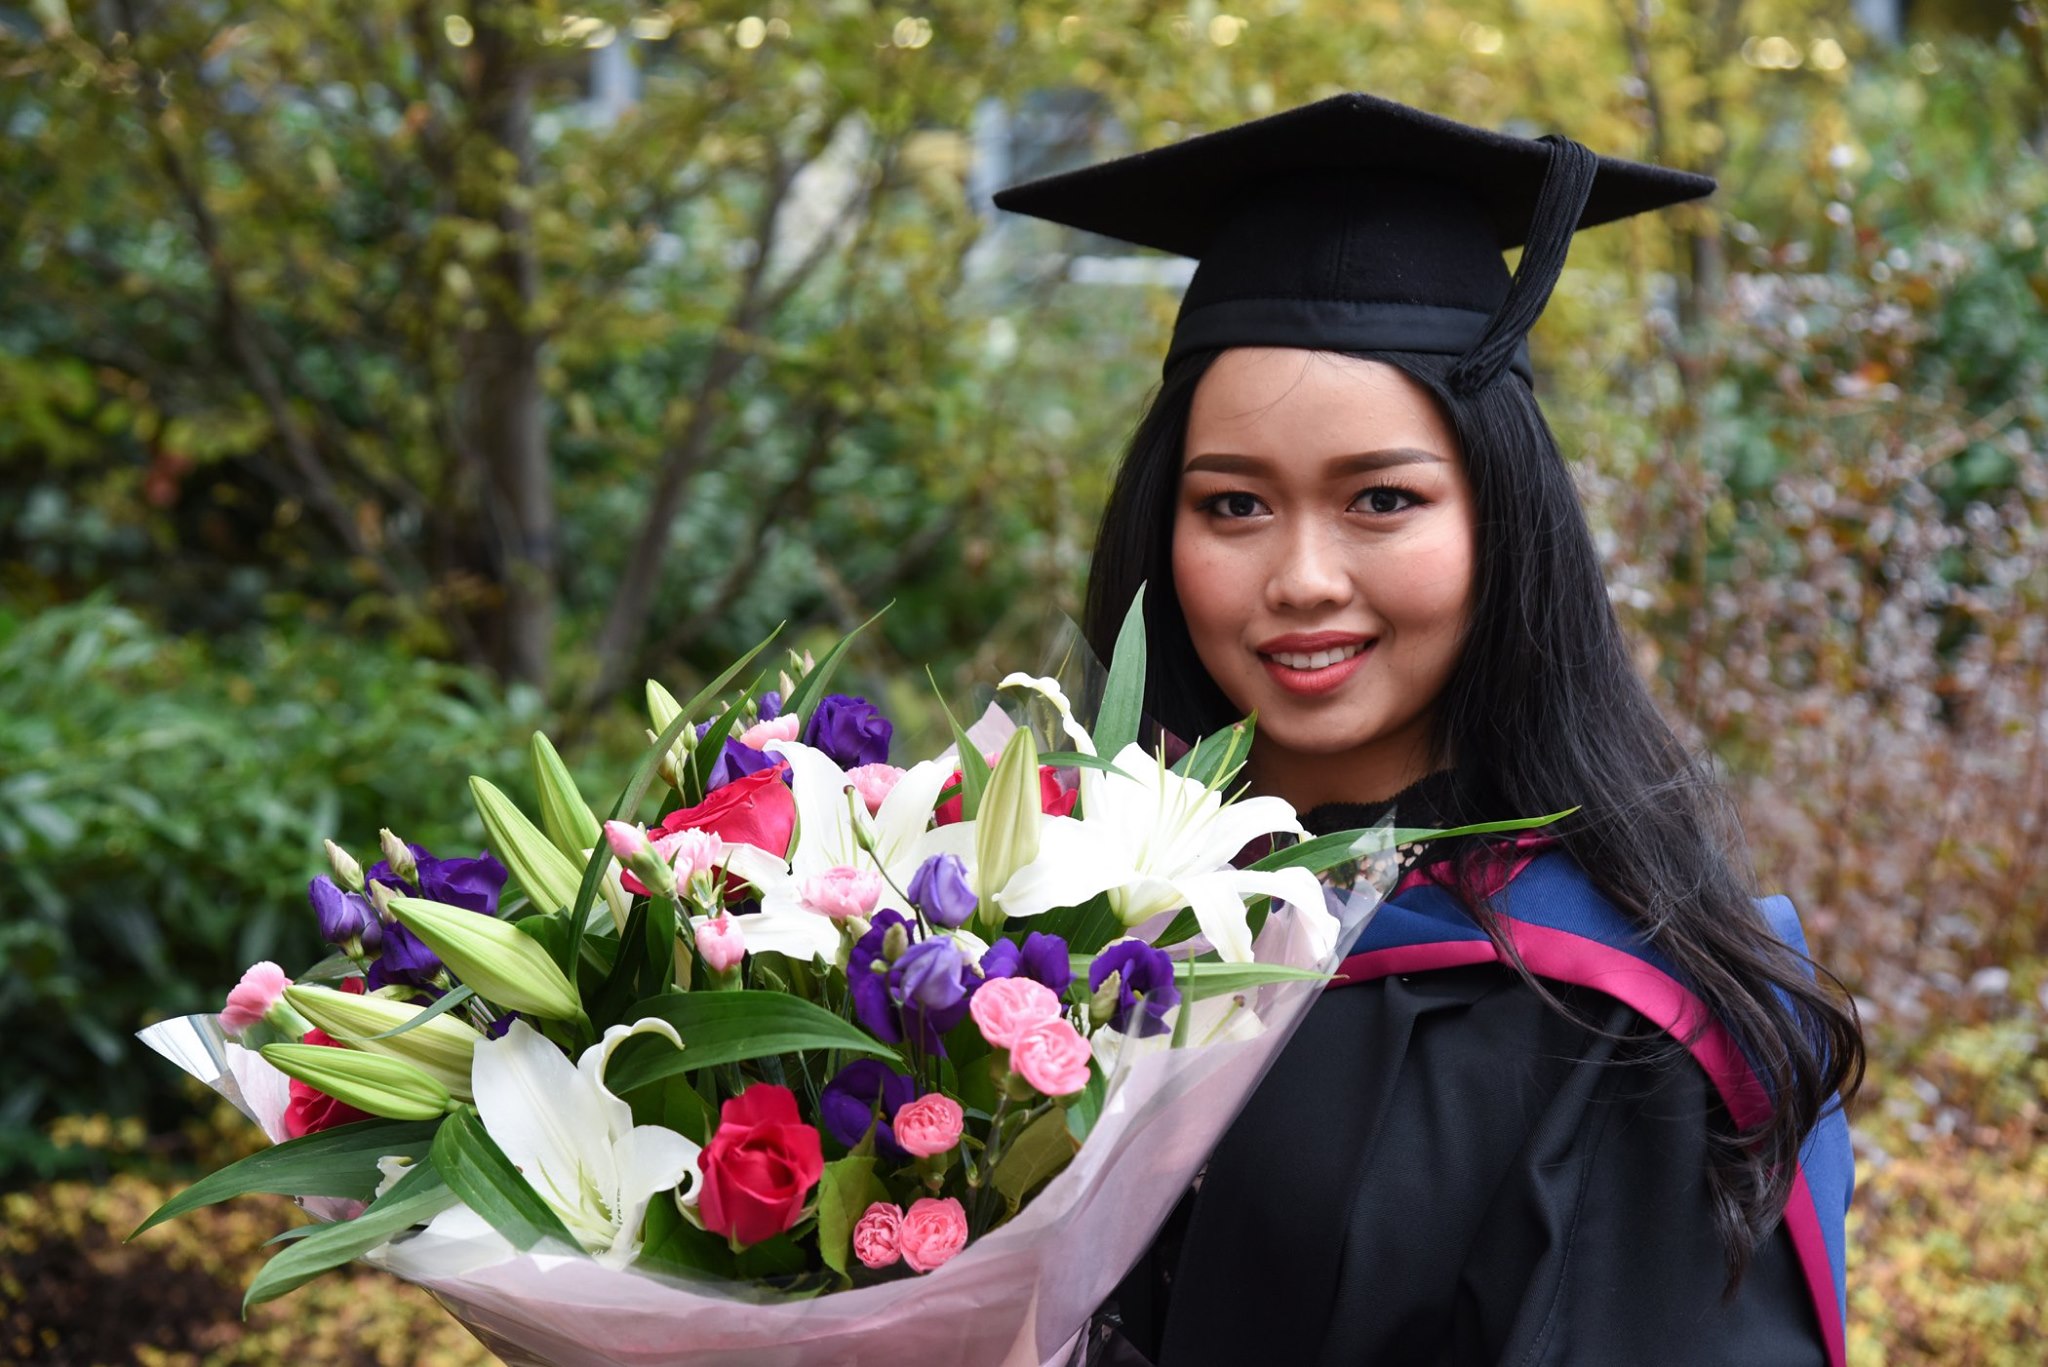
{"x": 404, "y": 960}
{"x": 770, "y": 705}
{"x": 344, "y": 916}
{"x": 1042, "y": 958}
{"x": 928, "y": 978}
{"x": 1145, "y": 989}
{"x": 848, "y": 1104}
{"x": 851, "y": 731}
{"x": 940, "y": 890}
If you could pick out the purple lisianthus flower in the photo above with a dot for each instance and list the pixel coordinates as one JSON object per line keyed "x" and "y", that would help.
{"x": 1042, "y": 958}
{"x": 1145, "y": 990}
{"x": 345, "y": 916}
{"x": 867, "y": 976}
{"x": 404, "y": 961}
{"x": 472, "y": 884}
{"x": 736, "y": 761}
{"x": 852, "y": 731}
{"x": 769, "y": 705}
{"x": 847, "y": 1106}
{"x": 941, "y": 892}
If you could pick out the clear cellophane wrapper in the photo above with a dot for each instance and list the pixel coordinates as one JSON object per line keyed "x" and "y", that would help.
{"x": 1021, "y": 1294}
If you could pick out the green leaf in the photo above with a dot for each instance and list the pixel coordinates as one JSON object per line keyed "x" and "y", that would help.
{"x": 705, "y": 754}
{"x": 418, "y": 1196}
{"x": 973, "y": 765}
{"x": 848, "y": 1187}
{"x": 1086, "y": 928}
{"x": 781, "y": 1256}
{"x": 563, "y": 812}
{"x": 812, "y": 685}
{"x": 1210, "y": 979}
{"x": 1033, "y": 1157}
{"x": 337, "y": 1162}
{"x": 730, "y": 1027}
{"x": 1327, "y": 851}
{"x": 1074, "y": 759}
{"x": 1123, "y": 697}
{"x": 677, "y": 1247}
{"x": 1216, "y": 759}
{"x": 447, "y": 1002}
{"x": 1086, "y": 1107}
{"x": 635, "y": 791}
{"x": 478, "y": 1172}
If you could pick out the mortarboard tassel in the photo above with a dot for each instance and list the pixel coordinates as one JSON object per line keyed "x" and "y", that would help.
{"x": 1567, "y": 182}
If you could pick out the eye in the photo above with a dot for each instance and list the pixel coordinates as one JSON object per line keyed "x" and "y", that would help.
{"x": 1386, "y": 499}
{"x": 1232, "y": 507}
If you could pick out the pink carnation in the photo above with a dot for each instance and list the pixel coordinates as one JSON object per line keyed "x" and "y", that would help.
{"x": 875, "y": 1235}
{"x": 1005, "y": 1008}
{"x": 1052, "y": 1057}
{"x": 929, "y": 1125}
{"x": 252, "y": 997}
{"x": 690, "y": 851}
{"x": 842, "y": 892}
{"x": 932, "y": 1232}
{"x": 760, "y": 733}
{"x": 720, "y": 942}
{"x": 874, "y": 783}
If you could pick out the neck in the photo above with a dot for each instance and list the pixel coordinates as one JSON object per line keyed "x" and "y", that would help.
{"x": 1371, "y": 773}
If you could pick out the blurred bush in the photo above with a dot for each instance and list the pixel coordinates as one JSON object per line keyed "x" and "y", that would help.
{"x": 162, "y": 804}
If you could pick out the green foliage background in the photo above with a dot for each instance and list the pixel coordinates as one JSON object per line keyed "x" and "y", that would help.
{"x": 342, "y": 392}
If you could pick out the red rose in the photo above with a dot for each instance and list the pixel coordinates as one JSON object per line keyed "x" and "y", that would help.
{"x": 760, "y": 1164}
{"x": 312, "y": 1110}
{"x": 755, "y": 810}
{"x": 1053, "y": 800}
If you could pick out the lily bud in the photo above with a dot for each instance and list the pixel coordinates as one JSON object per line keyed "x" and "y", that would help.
{"x": 399, "y": 857}
{"x": 564, "y": 814}
{"x": 1102, "y": 1003}
{"x": 632, "y": 848}
{"x": 662, "y": 708}
{"x": 441, "y": 1048}
{"x": 546, "y": 875}
{"x": 895, "y": 940}
{"x": 347, "y": 871}
{"x": 382, "y": 1086}
{"x": 1006, "y": 827}
{"x": 501, "y": 962}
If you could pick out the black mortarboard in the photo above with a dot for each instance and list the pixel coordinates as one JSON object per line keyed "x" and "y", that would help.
{"x": 1358, "y": 224}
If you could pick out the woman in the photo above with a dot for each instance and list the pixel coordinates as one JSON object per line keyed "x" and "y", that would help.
{"x": 1554, "y": 1109}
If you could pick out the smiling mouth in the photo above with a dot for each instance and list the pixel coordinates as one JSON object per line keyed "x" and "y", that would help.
{"x": 1316, "y": 659}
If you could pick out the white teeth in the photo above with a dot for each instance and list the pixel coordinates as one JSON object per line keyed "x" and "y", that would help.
{"x": 1321, "y": 659}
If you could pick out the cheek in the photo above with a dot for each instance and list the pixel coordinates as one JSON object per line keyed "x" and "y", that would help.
{"x": 1432, "y": 593}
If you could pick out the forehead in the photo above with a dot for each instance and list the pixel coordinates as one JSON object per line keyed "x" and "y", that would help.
{"x": 1282, "y": 400}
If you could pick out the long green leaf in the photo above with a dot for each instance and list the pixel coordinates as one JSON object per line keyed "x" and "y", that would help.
{"x": 973, "y": 765}
{"x": 812, "y": 685}
{"x": 478, "y": 1172}
{"x": 729, "y": 1027}
{"x": 629, "y": 800}
{"x": 1326, "y": 851}
{"x": 418, "y": 1196}
{"x": 845, "y": 1191}
{"x": 337, "y": 1162}
{"x": 1123, "y": 696}
{"x": 704, "y": 757}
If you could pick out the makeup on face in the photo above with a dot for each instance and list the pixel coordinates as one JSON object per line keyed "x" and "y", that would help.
{"x": 1323, "y": 553}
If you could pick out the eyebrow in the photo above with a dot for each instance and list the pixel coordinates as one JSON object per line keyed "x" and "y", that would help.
{"x": 1227, "y": 463}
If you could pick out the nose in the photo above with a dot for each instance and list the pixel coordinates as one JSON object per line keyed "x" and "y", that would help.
{"x": 1311, "y": 573}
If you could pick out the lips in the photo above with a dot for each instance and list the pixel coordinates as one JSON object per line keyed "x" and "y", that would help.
{"x": 1312, "y": 663}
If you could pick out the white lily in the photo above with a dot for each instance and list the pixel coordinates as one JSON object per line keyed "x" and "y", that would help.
{"x": 830, "y": 832}
{"x": 572, "y": 1139}
{"x": 1155, "y": 841}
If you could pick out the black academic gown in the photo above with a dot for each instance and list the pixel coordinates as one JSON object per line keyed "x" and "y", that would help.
{"x": 1443, "y": 1169}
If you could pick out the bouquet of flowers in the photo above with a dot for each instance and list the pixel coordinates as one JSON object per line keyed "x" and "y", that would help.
{"x": 837, "y": 1058}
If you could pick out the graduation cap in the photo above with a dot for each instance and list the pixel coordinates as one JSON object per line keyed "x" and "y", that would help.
{"x": 1359, "y": 224}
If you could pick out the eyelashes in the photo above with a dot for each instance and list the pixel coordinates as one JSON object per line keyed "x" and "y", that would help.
{"x": 1239, "y": 505}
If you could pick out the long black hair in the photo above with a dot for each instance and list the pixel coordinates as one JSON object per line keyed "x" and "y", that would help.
{"x": 1543, "y": 711}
